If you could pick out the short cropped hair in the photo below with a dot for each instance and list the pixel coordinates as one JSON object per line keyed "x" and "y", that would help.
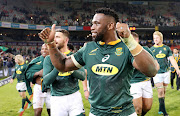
{"x": 65, "y": 32}
{"x": 109, "y": 12}
{"x": 71, "y": 47}
{"x": 19, "y": 58}
{"x": 159, "y": 34}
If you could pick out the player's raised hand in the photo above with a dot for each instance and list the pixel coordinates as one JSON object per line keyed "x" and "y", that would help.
{"x": 47, "y": 34}
{"x": 123, "y": 30}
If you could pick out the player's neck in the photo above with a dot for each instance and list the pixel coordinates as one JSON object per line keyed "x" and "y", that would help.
{"x": 64, "y": 49}
{"x": 110, "y": 37}
{"x": 158, "y": 44}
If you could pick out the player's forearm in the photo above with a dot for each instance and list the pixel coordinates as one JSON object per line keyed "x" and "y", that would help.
{"x": 57, "y": 58}
{"x": 146, "y": 63}
{"x": 60, "y": 61}
{"x": 14, "y": 75}
{"x": 50, "y": 77}
{"x": 174, "y": 63}
{"x": 39, "y": 73}
{"x": 84, "y": 83}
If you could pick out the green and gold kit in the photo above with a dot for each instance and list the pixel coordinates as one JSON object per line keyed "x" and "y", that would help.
{"x": 19, "y": 72}
{"x": 34, "y": 66}
{"x": 137, "y": 75}
{"x": 177, "y": 58}
{"x": 60, "y": 83}
{"x": 162, "y": 53}
{"x": 110, "y": 69}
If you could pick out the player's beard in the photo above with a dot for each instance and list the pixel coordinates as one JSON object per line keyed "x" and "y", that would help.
{"x": 100, "y": 35}
{"x": 59, "y": 46}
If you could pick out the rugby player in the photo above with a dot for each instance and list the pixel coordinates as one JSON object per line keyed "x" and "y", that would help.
{"x": 21, "y": 86}
{"x": 176, "y": 56}
{"x": 162, "y": 79}
{"x": 109, "y": 63}
{"x": 34, "y": 73}
{"x": 66, "y": 99}
{"x": 141, "y": 88}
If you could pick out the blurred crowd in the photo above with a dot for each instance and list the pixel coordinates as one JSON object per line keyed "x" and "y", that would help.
{"x": 80, "y": 13}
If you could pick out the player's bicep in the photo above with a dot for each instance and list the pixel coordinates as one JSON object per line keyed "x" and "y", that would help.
{"x": 69, "y": 64}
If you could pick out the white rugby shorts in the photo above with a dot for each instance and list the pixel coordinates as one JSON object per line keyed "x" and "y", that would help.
{"x": 67, "y": 105}
{"x": 162, "y": 77}
{"x": 21, "y": 86}
{"x": 141, "y": 89}
{"x": 40, "y": 98}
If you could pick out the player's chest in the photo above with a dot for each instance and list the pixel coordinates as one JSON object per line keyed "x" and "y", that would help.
{"x": 160, "y": 52}
{"x": 20, "y": 69}
{"x": 106, "y": 61}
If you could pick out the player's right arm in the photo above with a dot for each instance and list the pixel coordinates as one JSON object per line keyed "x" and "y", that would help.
{"x": 13, "y": 76}
{"x": 61, "y": 62}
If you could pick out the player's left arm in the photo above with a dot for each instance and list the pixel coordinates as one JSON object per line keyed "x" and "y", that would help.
{"x": 175, "y": 65}
{"x": 142, "y": 59}
{"x": 145, "y": 63}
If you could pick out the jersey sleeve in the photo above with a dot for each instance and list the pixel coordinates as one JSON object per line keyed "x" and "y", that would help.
{"x": 77, "y": 58}
{"x": 14, "y": 74}
{"x": 49, "y": 72}
{"x": 148, "y": 50}
{"x": 169, "y": 52}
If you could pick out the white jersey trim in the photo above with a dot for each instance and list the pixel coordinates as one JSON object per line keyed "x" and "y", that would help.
{"x": 75, "y": 62}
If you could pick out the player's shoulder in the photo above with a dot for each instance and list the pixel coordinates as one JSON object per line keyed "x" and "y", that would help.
{"x": 47, "y": 57}
{"x": 145, "y": 47}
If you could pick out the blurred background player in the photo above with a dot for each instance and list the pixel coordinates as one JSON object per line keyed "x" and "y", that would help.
{"x": 162, "y": 79}
{"x": 34, "y": 73}
{"x": 71, "y": 47}
{"x": 66, "y": 99}
{"x": 21, "y": 85}
{"x": 141, "y": 88}
{"x": 176, "y": 56}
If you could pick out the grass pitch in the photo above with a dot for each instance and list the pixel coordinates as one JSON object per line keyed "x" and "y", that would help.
{"x": 10, "y": 102}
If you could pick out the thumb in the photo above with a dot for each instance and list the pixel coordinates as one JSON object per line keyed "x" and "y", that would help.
{"x": 53, "y": 27}
{"x": 52, "y": 33}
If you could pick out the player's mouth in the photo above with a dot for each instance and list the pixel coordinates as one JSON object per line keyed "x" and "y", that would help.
{"x": 93, "y": 34}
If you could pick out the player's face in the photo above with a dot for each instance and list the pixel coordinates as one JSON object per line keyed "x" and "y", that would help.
{"x": 17, "y": 61}
{"x": 157, "y": 39}
{"x": 60, "y": 40}
{"x": 44, "y": 50}
{"x": 175, "y": 51}
{"x": 99, "y": 27}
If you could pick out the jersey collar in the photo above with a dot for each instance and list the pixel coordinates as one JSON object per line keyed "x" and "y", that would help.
{"x": 156, "y": 46}
{"x": 21, "y": 63}
{"x": 67, "y": 52}
{"x": 110, "y": 43}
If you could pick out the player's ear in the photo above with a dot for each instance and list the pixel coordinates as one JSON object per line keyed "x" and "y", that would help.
{"x": 111, "y": 26}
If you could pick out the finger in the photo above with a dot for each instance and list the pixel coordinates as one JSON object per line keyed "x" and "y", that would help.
{"x": 47, "y": 31}
{"x": 53, "y": 27}
{"x": 52, "y": 33}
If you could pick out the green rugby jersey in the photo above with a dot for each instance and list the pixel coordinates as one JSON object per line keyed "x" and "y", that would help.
{"x": 162, "y": 53}
{"x": 109, "y": 70}
{"x": 20, "y": 72}
{"x": 137, "y": 75}
{"x": 60, "y": 83}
